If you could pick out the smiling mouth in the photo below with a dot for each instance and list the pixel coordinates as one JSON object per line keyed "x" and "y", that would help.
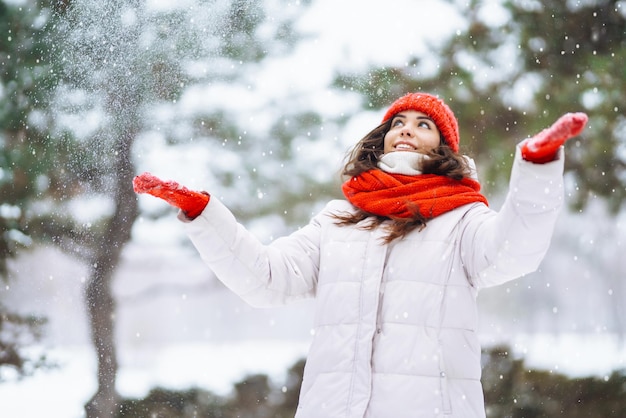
{"x": 405, "y": 147}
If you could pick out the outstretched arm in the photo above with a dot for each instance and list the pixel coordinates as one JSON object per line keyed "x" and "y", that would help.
{"x": 262, "y": 275}
{"x": 500, "y": 246}
{"x": 543, "y": 147}
{"x": 190, "y": 202}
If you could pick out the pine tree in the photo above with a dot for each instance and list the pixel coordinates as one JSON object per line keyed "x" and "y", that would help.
{"x": 27, "y": 76}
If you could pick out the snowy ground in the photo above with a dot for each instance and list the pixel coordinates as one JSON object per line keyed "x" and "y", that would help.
{"x": 62, "y": 392}
{"x": 575, "y": 355}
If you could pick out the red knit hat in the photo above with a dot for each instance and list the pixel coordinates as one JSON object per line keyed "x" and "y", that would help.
{"x": 434, "y": 108}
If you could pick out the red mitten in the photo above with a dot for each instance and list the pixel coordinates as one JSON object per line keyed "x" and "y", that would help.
{"x": 543, "y": 147}
{"x": 190, "y": 202}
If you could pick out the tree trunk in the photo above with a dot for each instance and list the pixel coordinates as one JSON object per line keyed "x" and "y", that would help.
{"x": 101, "y": 308}
{"x": 99, "y": 297}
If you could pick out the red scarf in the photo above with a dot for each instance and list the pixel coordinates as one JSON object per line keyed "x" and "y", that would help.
{"x": 398, "y": 195}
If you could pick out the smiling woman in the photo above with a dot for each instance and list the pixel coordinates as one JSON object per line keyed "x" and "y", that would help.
{"x": 396, "y": 267}
{"x": 412, "y": 131}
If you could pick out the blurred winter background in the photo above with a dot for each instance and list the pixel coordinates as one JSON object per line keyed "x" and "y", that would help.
{"x": 257, "y": 103}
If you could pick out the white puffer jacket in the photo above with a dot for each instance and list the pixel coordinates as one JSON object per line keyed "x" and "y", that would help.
{"x": 395, "y": 326}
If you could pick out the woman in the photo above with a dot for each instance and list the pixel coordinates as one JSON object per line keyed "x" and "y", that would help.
{"x": 396, "y": 267}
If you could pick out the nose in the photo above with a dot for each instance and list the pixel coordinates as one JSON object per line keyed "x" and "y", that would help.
{"x": 406, "y": 132}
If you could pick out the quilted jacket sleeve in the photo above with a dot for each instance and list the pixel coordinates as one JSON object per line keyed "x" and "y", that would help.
{"x": 263, "y": 275}
{"x": 500, "y": 246}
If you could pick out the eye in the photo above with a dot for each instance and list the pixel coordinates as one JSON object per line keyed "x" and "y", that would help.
{"x": 424, "y": 124}
{"x": 397, "y": 122}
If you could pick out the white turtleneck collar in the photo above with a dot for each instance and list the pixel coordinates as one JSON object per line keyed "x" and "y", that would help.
{"x": 410, "y": 163}
{"x": 402, "y": 162}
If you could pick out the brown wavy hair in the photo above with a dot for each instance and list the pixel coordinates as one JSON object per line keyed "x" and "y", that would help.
{"x": 365, "y": 155}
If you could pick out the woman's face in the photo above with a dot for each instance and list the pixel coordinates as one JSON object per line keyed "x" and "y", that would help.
{"x": 411, "y": 131}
